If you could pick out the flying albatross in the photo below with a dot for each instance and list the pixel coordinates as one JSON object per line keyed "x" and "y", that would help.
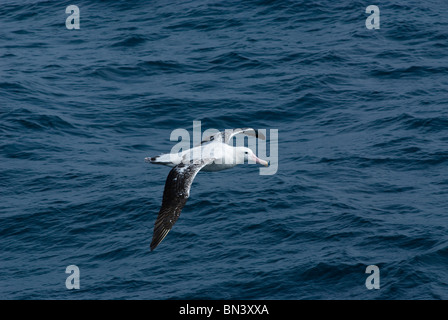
{"x": 213, "y": 154}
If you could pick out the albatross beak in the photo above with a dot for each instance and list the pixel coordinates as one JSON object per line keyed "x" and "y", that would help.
{"x": 262, "y": 162}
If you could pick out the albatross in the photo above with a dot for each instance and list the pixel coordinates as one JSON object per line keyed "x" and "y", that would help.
{"x": 214, "y": 153}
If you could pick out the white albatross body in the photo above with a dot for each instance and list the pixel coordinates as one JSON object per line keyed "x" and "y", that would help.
{"x": 213, "y": 154}
{"x": 224, "y": 156}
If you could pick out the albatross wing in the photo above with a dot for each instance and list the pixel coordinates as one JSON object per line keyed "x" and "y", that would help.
{"x": 226, "y": 136}
{"x": 175, "y": 195}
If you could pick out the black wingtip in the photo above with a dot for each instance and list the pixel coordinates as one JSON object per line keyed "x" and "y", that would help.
{"x": 153, "y": 246}
{"x": 158, "y": 236}
{"x": 259, "y": 135}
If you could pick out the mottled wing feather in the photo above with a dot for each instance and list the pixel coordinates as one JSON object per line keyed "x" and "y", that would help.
{"x": 175, "y": 195}
{"x": 214, "y": 137}
{"x": 226, "y": 136}
{"x": 247, "y": 131}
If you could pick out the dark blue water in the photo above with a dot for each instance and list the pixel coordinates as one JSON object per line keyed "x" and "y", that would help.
{"x": 362, "y": 119}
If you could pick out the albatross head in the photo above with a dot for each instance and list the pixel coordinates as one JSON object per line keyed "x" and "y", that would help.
{"x": 243, "y": 153}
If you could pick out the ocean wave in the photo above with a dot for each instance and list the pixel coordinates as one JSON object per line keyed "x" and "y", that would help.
{"x": 362, "y": 149}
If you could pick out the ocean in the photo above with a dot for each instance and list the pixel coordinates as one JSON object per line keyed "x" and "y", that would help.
{"x": 362, "y": 119}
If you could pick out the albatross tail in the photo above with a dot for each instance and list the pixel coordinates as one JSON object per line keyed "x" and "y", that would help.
{"x": 164, "y": 159}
